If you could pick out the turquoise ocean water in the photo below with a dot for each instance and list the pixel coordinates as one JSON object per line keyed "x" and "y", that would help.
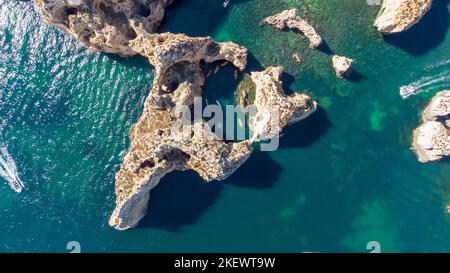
{"x": 340, "y": 179}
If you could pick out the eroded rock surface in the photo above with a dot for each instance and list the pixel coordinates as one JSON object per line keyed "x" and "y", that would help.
{"x": 104, "y": 25}
{"x": 155, "y": 148}
{"x": 431, "y": 140}
{"x": 399, "y": 15}
{"x": 289, "y": 19}
{"x": 272, "y": 104}
{"x": 128, "y": 28}
{"x": 342, "y": 65}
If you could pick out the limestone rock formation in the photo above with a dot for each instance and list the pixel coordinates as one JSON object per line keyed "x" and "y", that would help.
{"x": 431, "y": 140}
{"x": 289, "y": 19}
{"x": 399, "y": 15}
{"x": 342, "y": 65}
{"x": 161, "y": 142}
{"x": 156, "y": 149}
{"x": 104, "y": 25}
{"x": 274, "y": 109}
{"x": 439, "y": 107}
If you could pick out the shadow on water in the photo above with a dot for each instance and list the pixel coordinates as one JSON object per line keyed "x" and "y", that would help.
{"x": 356, "y": 76}
{"x": 307, "y": 131}
{"x": 195, "y": 17}
{"x": 221, "y": 85}
{"x": 179, "y": 200}
{"x": 182, "y": 197}
{"x": 427, "y": 34}
{"x": 287, "y": 80}
{"x": 248, "y": 175}
{"x": 325, "y": 48}
{"x": 445, "y": 160}
{"x": 253, "y": 64}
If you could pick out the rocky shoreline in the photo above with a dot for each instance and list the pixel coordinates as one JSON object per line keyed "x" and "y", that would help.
{"x": 290, "y": 19}
{"x": 342, "y": 65}
{"x": 399, "y": 15}
{"x": 127, "y": 28}
{"x": 431, "y": 140}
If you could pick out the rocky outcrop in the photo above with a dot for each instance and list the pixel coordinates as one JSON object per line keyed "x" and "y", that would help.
{"x": 297, "y": 58}
{"x": 156, "y": 149}
{"x": 274, "y": 109}
{"x": 399, "y": 15}
{"x": 289, "y": 19}
{"x": 104, "y": 25}
{"x": 431, "y": 140}
{"x": 438, "y": 108}
{"x": 161, "y": 140}
{"x": 342, "y": 65}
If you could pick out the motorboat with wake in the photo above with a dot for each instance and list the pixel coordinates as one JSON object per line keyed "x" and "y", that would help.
{"x": 408, "y": 91}
{"x": 8, "y": 171}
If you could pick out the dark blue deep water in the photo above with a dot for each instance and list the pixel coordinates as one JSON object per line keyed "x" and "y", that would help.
{"x": 340, "y": 179}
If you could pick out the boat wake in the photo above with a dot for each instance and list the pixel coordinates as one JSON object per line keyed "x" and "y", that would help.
{"x": 8, "y": 170}
{"x": 440, "y": 80}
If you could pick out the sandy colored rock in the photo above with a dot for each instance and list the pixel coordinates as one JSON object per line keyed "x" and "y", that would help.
{"x": 342, "y": 65}
{"x": 289, "y": 19}
{"x": 431, "y": 140}
{"x": 104, "y": 25}
{"x": 399, "y": 15}
{"x": 272, "y": 104}
{"x": 155, "y": 148}
{"x": 128, "y": 28}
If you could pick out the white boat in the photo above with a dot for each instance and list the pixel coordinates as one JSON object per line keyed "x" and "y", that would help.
{"x": 225, "y": 3}
{"x": 8, "y": 171}
{"x": 16, "y": 185}
{"x": 408, "y": 91}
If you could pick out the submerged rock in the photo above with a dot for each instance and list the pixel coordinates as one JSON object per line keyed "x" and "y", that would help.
{"x": 431, "y": 140}
{"x": 399, "y": 15}
{"x": 127, "y": 27}
{"x": 342, "y": 65}
{"x": 289, "y": 19}
{"x": 297, "y": 58}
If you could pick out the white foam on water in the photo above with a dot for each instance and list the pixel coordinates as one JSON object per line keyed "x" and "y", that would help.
{"x": 437, "y": 64}
{"x": 8, "y": 170}
{"x": 425, "y": 84}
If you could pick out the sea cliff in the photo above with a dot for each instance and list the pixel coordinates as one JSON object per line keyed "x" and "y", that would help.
{"x": 128, "y": 28}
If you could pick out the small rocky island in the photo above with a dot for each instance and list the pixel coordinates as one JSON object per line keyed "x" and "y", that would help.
{"x": 342, "y": 65}
{"x": 269, "y": 99}
{"x": 128, "y": 28}
{"x": 290, "y": 19}
{"x": 399, "y": 15}
{"x": 431, "y": 140}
